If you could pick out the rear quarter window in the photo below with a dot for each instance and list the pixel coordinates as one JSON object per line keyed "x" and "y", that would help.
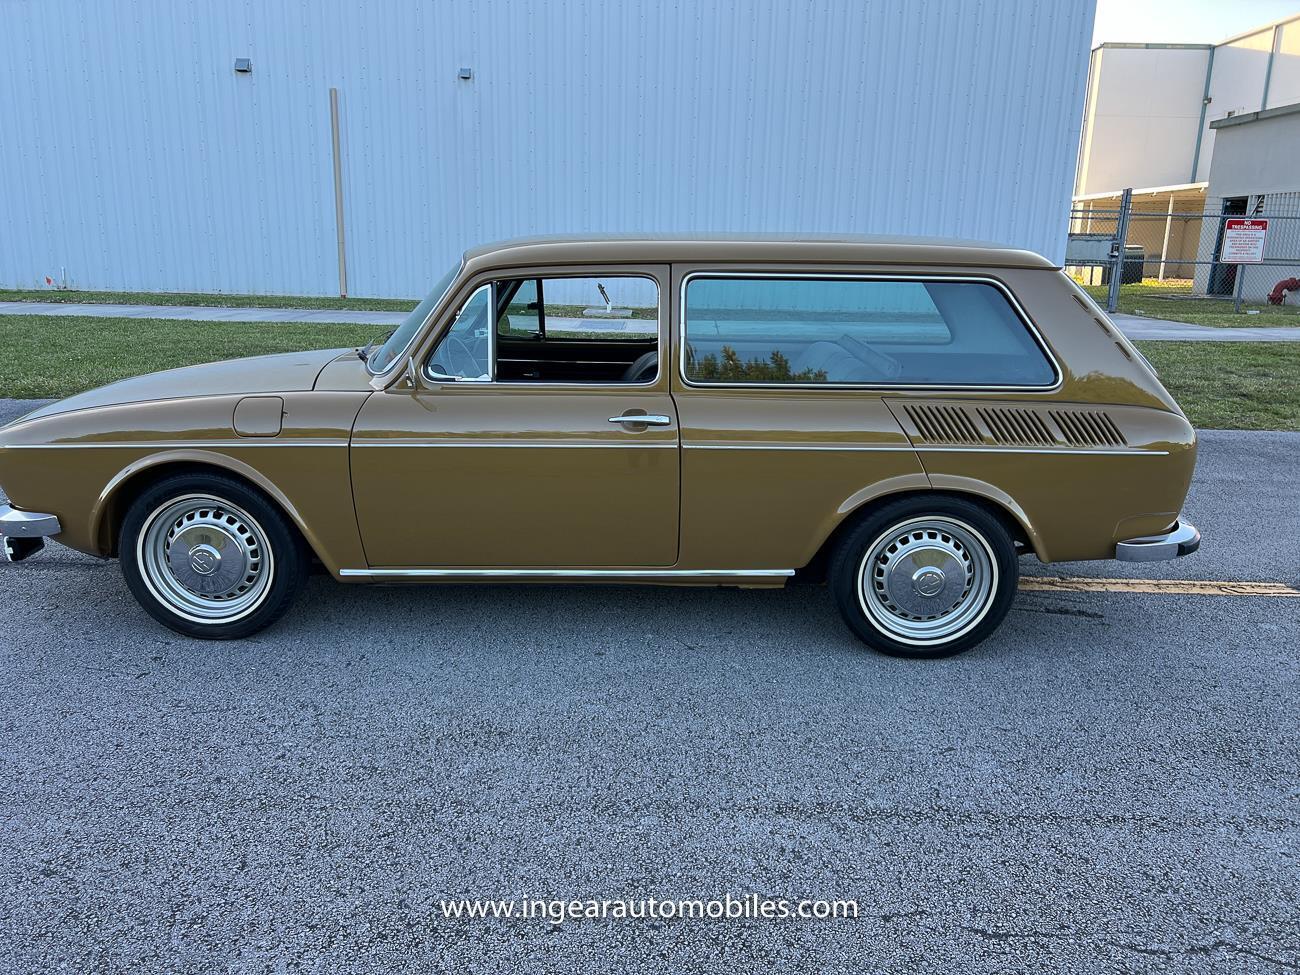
{"x": 857, "y": 331}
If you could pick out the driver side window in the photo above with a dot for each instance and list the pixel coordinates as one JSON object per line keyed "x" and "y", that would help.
{"x": 464, "y": 353}
{"x": 562, "y": 330}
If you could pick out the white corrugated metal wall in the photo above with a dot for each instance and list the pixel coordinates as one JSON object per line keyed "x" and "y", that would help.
{"x": 133, "y": 157}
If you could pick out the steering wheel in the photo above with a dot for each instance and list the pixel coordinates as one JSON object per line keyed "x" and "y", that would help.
{"x": 457, "y": 359}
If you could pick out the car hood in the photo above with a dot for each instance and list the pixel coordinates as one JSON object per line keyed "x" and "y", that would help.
{"x": 282, "y": 373}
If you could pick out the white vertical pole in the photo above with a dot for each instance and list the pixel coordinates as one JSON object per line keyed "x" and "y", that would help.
{"x": 1164, "y": 247}
{"x": 338, "y": 191}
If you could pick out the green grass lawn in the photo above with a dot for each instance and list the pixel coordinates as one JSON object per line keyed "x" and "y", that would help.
{"x": 1226, "y": 385}
{"x": 1232, "y": 385}
{"x": 1160, "y": 299}
{"x": 208, "y": 300}
{"x": 56, "y": 357}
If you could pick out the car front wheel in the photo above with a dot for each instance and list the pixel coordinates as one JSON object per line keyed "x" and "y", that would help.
{"x": 925, "y": 577}
{"x": 210, "y": 557}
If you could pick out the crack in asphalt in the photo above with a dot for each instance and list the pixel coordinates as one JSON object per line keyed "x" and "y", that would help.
{"x": 1167, "y": 953}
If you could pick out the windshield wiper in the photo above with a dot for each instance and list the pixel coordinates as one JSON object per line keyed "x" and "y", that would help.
{"x": 364, "y": 353}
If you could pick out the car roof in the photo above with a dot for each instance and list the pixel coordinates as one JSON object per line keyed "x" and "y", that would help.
{"x": 774, "y": 248}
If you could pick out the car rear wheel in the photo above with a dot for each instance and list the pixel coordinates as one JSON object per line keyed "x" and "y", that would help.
{"x": 925, "y": 577}
{"x": 211, "y": 557}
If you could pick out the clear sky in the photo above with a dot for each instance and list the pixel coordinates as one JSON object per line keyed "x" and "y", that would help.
{"x": 1184, "y": 21}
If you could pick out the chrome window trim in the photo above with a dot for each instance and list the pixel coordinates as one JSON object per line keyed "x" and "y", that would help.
{"x": 400, "y": 360}
{"x": 662, "y": 340}
{"x": 426, "y": 369}
{"x": 1019, "y": 310}
{"x": 570, "y": 573}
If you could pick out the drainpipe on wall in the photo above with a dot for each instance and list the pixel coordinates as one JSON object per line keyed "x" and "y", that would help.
{"x": 1205, "y": 104}
{"x": 1268, "y": 69}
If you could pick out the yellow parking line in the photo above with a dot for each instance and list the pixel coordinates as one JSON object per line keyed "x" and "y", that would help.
{"x": 1175, "y": 587}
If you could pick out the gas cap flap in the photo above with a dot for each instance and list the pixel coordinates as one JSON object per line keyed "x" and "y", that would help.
{"x": 259, "y": 416}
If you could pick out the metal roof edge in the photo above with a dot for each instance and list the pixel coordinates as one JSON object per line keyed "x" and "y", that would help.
{"x": 1231, "y": 120}
{"x": 1143, "y": 190}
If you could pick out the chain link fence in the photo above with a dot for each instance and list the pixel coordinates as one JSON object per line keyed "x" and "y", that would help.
{"x": 1177, "y": 237}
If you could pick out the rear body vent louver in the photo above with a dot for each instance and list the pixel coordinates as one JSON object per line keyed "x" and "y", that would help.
{"x": 1016, "y": 426}
{"x": 1088, "y": 428}
{"x": 968, "y": 425}
{"x": 945, "y": 424}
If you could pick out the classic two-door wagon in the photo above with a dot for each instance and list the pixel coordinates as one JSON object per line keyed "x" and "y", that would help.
{"x": 901, "y": 418}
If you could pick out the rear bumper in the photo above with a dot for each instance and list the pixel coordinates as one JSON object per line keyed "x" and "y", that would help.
{"x": 1182, "y": 539}
{"x": 24, "y": 532}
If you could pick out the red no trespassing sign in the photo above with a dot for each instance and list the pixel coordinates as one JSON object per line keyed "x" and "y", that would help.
{"x": 1243, "y": 241}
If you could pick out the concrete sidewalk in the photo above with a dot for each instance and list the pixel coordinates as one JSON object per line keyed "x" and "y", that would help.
{"x": 1134, "y": 326}
{"x": 1138, "y": 327}
{"x": 205, "y": 313}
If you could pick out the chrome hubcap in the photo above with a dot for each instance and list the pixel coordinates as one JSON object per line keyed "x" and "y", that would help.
{"x": 207, "y": 559}
{"x": 927, "y": 580}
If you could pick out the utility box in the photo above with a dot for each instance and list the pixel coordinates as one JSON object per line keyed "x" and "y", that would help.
{"x": 1131, "y": 268}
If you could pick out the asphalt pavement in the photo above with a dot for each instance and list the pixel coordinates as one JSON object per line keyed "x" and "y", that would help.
{"x": 1107, "y": 785}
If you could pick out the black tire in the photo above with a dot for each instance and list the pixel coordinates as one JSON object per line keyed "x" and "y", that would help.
{"x": 219, "y": 514}
{"x": 887, "y": 610}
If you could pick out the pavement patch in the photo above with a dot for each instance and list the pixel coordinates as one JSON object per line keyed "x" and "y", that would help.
{"x": 1173, "y": 587}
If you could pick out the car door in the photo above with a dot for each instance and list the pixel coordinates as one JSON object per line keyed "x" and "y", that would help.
{"x": 781, "y": 432}
{"x": 563, "y": 463}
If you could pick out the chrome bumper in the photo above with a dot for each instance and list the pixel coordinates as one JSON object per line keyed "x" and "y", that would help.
{"x": 1182, "y": 539}
{"x": 24, "y": 532}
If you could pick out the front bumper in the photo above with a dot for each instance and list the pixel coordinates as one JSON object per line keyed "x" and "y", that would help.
{"x": 24, "y": 532}
{"x": 1182, "y": 539}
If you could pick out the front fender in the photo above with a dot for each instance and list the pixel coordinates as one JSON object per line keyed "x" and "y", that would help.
{"x": 336, "y": 549}
{"x": 85, "y": 465}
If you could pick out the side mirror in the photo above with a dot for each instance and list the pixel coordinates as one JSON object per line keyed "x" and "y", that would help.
{"x": 409, "y": 378}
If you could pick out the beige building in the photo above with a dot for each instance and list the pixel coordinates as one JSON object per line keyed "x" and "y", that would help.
{"x": 1152, "y": 117}
{"x": 1256, "y": 171}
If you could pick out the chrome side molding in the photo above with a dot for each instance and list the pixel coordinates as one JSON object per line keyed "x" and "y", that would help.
{"x": 1182, "y": 539}
{"x": 396, "y": 573}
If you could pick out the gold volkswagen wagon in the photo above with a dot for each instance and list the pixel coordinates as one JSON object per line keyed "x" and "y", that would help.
{"x": 900, "y": 418}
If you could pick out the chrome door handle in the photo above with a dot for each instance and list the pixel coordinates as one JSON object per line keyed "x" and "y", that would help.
{"x": 650, "y": 419}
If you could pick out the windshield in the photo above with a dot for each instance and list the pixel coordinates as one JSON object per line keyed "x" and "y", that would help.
{"x": 383, "y": 357}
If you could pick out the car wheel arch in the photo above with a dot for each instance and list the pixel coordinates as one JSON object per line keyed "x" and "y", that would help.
{"x": 132, "y": 481}
{"x": 861, "y": 505}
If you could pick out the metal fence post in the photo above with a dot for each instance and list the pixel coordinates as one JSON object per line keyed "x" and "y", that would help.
{"x": 1117, "y": 250}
